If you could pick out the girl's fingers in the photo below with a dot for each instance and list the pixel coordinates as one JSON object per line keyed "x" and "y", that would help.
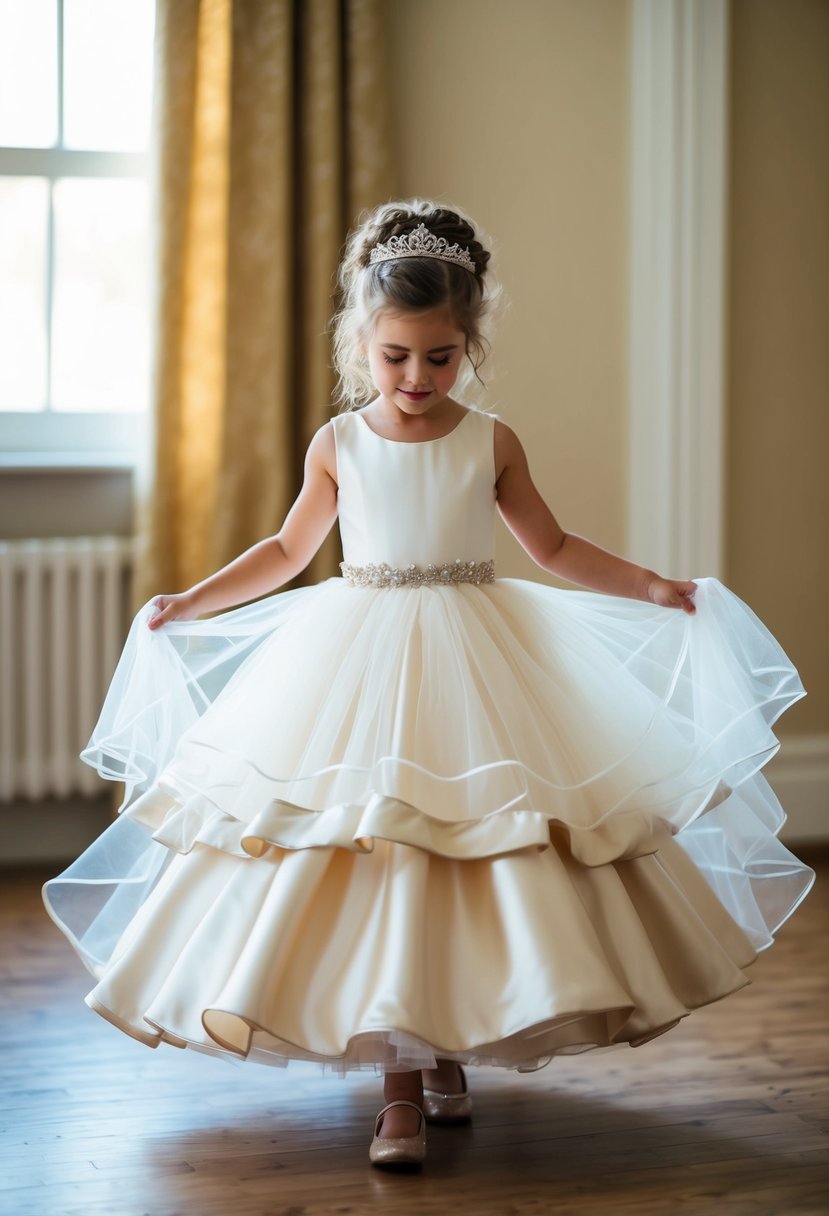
{"x": 164, "y": 608}
{"x": 677, "y": 593}
{"x": 686, "y": 597}
{"x": 170, "y": 608}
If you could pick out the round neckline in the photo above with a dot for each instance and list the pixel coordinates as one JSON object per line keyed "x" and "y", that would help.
{"x": 416, "y": 443}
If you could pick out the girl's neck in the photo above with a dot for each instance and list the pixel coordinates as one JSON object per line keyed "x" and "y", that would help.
{"x": 390, "y": 420}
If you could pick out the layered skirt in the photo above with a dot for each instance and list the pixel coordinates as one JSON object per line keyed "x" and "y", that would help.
{"x": 369, "y": 827}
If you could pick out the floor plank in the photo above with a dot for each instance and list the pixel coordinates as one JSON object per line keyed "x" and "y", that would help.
{"x": 728, "y": 1112}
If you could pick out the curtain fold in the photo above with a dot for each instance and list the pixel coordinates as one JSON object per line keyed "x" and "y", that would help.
{"x": 272, "y": 122}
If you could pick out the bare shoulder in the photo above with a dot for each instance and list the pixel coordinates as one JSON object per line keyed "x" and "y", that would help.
{"x": 508, "y": 448}
{"x": 322, "y": 452}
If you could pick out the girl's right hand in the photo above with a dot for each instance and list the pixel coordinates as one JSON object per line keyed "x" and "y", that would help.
{"x": 181, "y": 607}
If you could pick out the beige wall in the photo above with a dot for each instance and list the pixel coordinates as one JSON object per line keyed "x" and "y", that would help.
{"x": 778, "y": 381}
{"x": 518, "y": 113}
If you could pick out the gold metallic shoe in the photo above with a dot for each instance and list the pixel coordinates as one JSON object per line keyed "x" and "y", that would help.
{"x": 404, "y": 1151}
{"x": 448, "y": 1108}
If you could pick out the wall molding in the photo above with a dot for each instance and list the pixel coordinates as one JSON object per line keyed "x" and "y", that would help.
{"x": 799, "y": 776}
{"x": 679, "y": 116}
{"x": 677, "y": 339}
{"x": 51, "y": 832}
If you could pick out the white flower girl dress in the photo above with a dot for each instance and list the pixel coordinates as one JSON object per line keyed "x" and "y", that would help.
{"x": 418, "y": 811}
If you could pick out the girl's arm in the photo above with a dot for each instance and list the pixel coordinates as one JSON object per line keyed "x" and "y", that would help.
{"x": 571, "y": 557}
{"x": 276, "y": 559}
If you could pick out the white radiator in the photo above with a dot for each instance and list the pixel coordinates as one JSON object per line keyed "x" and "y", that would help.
{"x": 64, "y": 615}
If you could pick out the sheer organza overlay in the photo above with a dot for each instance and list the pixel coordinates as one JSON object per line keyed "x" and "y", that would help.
{"x": 368, "y": 826}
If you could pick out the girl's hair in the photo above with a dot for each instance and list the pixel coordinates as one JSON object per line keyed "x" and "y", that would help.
{"x": 413, "y": 284}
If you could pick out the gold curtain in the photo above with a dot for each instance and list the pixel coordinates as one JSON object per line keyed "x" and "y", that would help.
{"x": 272, "y": 134}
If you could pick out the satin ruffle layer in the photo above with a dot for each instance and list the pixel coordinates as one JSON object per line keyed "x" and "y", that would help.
{"x": 494, "y": 822}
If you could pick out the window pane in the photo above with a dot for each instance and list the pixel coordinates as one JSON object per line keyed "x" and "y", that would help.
{"x": 28, "y": 73}
{"x": 100, "y": 329}
{"x": 24, "y": 209}
{"x": 107, "y": 48}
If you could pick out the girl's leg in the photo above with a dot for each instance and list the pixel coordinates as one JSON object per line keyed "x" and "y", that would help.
{"x": 401, "y": 1121}
{"x": 445, "y": 1079}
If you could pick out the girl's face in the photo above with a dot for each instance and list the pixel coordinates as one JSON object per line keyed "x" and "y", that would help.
{"x": 414, "y": 358}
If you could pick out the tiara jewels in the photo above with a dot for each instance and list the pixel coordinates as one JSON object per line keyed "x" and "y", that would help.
{"x": 421, "y": 243}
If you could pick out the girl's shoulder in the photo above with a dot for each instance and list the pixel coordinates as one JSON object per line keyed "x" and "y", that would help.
{"x": 345, "y": 419}
{"x": 480, "y": 411}
{"x": 492, "y": 416}
{"x": 507, "y": 446}
{"x": 487, "y": 419}
{"x": 322, "y": 450}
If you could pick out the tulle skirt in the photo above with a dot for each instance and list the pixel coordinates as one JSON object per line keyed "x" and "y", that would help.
{"x": 370, "y": 827}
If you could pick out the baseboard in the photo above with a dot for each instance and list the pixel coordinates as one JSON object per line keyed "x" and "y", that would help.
{"x": 51, "y": 832}
{"x": 799, "y": 776}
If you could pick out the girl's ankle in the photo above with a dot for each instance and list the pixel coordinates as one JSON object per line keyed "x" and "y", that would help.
{"x": 405, "y": 1086}
{"x": 446, "y": 1077}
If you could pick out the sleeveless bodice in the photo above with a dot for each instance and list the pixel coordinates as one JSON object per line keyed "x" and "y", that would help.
{"x": 403, "y": 503}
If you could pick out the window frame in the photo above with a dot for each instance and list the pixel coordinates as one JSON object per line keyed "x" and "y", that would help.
{"x": 63, "y": 437}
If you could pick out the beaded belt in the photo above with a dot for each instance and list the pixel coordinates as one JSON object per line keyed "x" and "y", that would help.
{"x": 383, "y": 575}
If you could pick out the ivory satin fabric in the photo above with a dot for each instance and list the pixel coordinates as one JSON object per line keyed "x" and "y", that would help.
{"x": 368, "y": 826}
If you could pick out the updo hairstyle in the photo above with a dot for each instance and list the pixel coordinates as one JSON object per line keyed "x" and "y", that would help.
{"x": 410, "y": 284}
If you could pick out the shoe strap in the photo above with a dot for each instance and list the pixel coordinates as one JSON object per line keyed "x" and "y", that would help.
{"x": 397, "y": 1102}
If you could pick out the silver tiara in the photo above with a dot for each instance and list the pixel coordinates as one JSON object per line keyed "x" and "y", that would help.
{"x": 421, "y": 243}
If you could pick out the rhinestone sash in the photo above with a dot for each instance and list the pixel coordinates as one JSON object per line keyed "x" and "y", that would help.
{"x": 383, "y": 575}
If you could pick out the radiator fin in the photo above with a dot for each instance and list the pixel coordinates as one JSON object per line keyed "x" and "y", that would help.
{"x": 64, "y": 615}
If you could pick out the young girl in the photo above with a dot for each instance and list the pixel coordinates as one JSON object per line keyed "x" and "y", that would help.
{"x": 420, "y": 817}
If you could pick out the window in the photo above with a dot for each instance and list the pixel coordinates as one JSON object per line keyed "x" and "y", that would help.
{"x": 75, "y": 105}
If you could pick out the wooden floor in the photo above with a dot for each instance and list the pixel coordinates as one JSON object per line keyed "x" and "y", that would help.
{"x": 726, "y": 1113}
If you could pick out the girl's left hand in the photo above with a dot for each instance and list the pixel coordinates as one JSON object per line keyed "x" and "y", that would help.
{"x": 673, "y": 593}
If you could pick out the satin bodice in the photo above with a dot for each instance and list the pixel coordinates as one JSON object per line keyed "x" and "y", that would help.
{"x": 402, "y": 503}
